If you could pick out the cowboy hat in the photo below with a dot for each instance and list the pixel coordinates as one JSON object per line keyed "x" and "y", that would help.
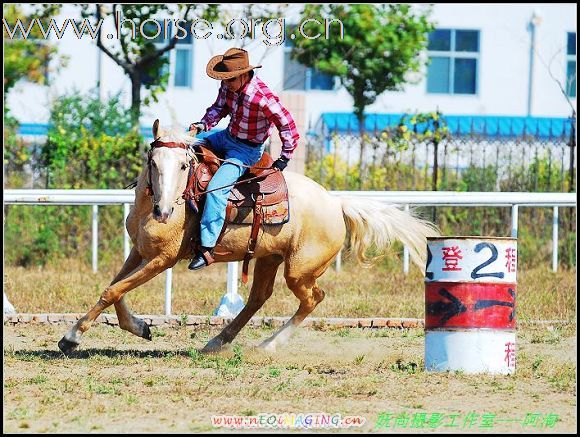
{"x": 231, "y": 64}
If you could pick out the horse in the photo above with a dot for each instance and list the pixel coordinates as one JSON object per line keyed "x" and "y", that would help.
{"x": 161, "y": 228}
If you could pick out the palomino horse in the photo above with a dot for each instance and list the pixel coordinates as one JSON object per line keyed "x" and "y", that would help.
{"x": 161, "y": 228}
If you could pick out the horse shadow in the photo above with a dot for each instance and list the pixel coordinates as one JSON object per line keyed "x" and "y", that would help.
{"x": 51, "y": 355}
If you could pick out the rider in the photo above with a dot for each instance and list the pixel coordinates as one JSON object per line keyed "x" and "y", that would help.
{"x": 253, "y": 109}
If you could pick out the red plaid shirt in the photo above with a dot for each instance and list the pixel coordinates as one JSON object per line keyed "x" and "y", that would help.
{"x": 254, "y": 110}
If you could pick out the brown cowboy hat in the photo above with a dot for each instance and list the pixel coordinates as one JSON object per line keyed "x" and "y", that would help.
{"x": 232, "y": 63}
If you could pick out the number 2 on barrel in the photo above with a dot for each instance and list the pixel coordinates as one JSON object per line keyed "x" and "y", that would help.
{"x": 429, "y": 274}
{"x": 493, "y": 257}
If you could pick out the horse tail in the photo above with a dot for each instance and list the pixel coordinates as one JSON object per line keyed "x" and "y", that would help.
{"x": 372, "y": 223}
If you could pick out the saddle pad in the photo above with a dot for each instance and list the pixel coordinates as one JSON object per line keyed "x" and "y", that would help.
{"x": 276, "y": 214}
{"x": 275, "y": 205}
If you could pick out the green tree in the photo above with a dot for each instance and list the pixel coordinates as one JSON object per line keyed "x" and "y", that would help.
{"x": 27, "y": 57}
{"x": 137, "y": 54}
{"x": 380, "y": 47}
{"x": 144, "y": 61}
{"x": 433, "y": 130}
{"x": 91, "y": 144}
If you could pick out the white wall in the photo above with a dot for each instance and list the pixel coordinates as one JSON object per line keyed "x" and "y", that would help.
{"x": 503, "y": 71}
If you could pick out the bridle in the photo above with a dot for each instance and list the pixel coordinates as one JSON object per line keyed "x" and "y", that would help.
{"x": 156, "y": 144}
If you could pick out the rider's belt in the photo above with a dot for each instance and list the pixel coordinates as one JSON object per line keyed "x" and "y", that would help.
{"x": 248, "y": 142}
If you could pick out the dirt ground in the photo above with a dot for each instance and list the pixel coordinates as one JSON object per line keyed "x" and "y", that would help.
{"x": 119, "y": 383}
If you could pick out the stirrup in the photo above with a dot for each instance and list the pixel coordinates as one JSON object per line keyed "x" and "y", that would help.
{"x": 202, "y": 258}
{"x": 207, "y": 256}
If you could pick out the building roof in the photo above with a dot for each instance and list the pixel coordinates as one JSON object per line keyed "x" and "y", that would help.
{"x": 488, "y": 125}
{"x": 41, "y": 129}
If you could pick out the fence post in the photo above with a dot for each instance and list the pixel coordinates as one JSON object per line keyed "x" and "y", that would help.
{"x": 338, "y": 261}
{"x": 514, "y": 221}
{"x": 168, "y": 279}
{"x": 555, "y": 240}
{"x": 8, "y": 307}
{"x": 406, "y": 252}
{"x": 95, "y": 236}
{"x": 232, "y": 278}
{"x": 231, "y": 302}
{"x": 126, "y": 248}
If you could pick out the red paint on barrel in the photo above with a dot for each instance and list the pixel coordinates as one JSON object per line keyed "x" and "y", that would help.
{"x": 470, "y": 305}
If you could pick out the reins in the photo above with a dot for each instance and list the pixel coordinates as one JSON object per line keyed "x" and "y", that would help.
{"x": 235, "y": 163}
{"x": 172, "y": 145}
{"x": 240, "y": 182}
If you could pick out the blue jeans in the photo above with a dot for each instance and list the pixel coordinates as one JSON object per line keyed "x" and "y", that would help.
{"x": 236, "y": 152}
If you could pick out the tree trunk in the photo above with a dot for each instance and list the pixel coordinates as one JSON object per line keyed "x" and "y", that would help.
{"x": 135, "y": 99}
{"x": 435, "y": 152}
{"x": 435, "y": 164}
{"x": 571, "y": 188}
{"x": 434, "y": 180}
{"x": 361, "y": 129}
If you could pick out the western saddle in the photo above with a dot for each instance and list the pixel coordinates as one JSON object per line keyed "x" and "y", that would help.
{"x": 259, "y": 197}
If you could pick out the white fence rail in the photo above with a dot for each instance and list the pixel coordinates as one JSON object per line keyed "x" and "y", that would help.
{"x": 406, "y": 198}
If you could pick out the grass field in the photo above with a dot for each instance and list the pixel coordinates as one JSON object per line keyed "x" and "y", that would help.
{"x": 69, "y": 286}
{"x": 119, "y": 383}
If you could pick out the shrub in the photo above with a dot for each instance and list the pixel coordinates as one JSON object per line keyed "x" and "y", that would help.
{"x": 90, "y": 144}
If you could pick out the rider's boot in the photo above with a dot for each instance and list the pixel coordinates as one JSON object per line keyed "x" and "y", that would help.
{"x": 204, "y": 257}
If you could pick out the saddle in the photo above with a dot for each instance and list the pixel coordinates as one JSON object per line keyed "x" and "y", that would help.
{"x": 260, "y": 196}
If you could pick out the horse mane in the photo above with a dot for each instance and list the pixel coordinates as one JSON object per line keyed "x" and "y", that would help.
{"x": 175, "y": 136}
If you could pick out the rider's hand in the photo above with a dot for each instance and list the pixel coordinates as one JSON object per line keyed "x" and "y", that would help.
{"x": 280, "y": 163}
{"x": 197, "y": 127}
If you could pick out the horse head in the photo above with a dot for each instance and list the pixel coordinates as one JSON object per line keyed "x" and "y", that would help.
{"x": 169, "y": 161}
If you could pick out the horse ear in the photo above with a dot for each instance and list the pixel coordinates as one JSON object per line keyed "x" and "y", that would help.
{"x": 155, "y": 129}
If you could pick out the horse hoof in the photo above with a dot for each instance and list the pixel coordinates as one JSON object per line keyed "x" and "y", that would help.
{"x": 211, "y": 349}
{"x": 66, "y": 346}
{"x": 213, "y": 346}
{"x": 146, "y": 332}
{"x": 269, "y": 347}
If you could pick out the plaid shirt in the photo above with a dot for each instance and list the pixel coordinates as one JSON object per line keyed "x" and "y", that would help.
{"x": 254, "y": 110}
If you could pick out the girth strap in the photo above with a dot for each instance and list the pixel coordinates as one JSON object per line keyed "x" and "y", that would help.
{"x": 257, "y": 221}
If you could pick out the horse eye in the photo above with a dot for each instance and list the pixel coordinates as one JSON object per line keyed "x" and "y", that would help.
{"x": 153, "y": 163}
{"x": 183, "y": 166}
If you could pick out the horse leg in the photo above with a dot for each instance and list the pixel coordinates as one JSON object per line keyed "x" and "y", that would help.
{"x": 127, "y": 320}
{"x": 111, "y": 295}
{"x": 304, "y": 287}
{"x": 264, "y": 275}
